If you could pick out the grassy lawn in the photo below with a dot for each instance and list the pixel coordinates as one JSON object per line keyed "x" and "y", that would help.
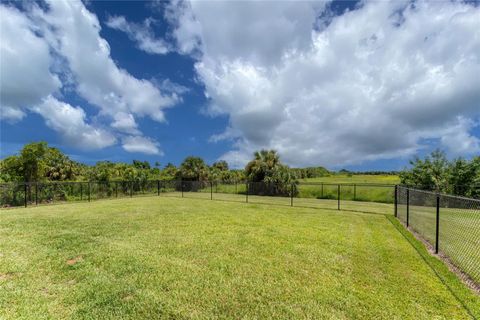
{"x": 163, "y": 257}
{"x": 459, "y": 236}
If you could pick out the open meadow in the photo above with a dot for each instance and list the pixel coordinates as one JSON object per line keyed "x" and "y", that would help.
{"x": 357, "y": 178}
{"x": 166, "y": 257}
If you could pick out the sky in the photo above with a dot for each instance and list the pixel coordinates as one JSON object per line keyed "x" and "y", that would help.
{"x": 362, "y": 85}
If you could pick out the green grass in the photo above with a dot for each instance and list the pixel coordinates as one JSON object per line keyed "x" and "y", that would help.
{"x": 459, "y": 236}
{"x": 311, "y": 188}
{"x": 359, "y": 192}
{"x": 356, "y": 178}
{"x": 162, "y": 257}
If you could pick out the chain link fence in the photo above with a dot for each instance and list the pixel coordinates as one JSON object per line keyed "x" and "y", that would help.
{"x": 449, "y": 225}
{"x": 355, "y": 197}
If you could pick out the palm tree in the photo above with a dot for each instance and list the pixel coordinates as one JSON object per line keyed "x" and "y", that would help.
{"x": 195, "y": 171}
{"x": 264, "y": 164}
{"x": 268, "y": 176}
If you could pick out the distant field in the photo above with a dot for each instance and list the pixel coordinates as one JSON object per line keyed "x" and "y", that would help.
{"x": 311, "y": 188}
{"x": 161, "y": 257}
{"x": 356, "y": 178}
{"x": 359, "y": 192}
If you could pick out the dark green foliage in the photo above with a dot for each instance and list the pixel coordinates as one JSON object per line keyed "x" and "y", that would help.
{"x": 192, "y": 169}
{"x": 435, "y": 172}
{"x": 141, "y": 164}
{"x": 221, "y": 165}
{"x": 38, "y": 162}
{"x": 169, "y": 172}
{"x": 310, "y": 172}
{"x": 266, "y": 167}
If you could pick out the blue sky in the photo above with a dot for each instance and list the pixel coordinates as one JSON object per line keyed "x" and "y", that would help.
{"x": 343, "y": 84}
{"x": 187, "y": 130}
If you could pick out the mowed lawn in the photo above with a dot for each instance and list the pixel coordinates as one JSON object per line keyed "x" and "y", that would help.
{"x": 160, "y": 257}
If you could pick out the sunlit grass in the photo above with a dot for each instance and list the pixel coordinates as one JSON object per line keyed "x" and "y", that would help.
{"x": 161, "y": 257}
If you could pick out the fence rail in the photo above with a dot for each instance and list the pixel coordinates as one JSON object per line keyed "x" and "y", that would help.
{"x": 312, "y": 194}
{"x": 450, "y": 225}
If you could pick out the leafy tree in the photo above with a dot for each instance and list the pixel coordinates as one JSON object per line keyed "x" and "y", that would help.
{"x": 192, "y": 169}
{"x": 264, "y": 164}
{"x": 32, "y": 159}
{"x": 141, "y": 164}
{"x": 429, "y": 174}
{"x": 464, "y": 177}
{"x": 102, "y": 171}
{"x": 11, "y": 169}
{"x": 435, "y": 172}
{"x": 59, "y": 167}
{"x": 169, "y": 172}
{"x": 266, "y": 167}
{"x": 221, "y": 165}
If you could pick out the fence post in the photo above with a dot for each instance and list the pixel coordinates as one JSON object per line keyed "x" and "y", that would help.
{"x": 131, "y": 189}
{"x": 211, "y": 190}
{"x": 158, "y": 187}
{"x": 182, "y": 188}
{"x": 36, "y": 193}
{"x": 354, "y": 191}
{"x": 396, "y": 201}
{"x": 338, "y": 197}
{"x": 321, "y": 194}
{"x": 88, "y": 191}
{"x": 247, "y": 192}
{"x": 408, "y": 206}
{"x": 25, "y": 191}
{"x": 116, "y": 189}
{"x": 81, "y": 191}
{"x": 291, "y": 195}
{"x": 437, "y": 224}
{"x": 235, "y": 186}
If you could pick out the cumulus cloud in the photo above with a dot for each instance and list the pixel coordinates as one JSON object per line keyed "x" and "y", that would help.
{"x": 25, "y": 78}
{"x": 70, "y": 122}
{"x": 142, "y": 34}
{"x": 99, "y": 80}
{"x": 43, "y": 46}
{"x": 371, "y": 83}
{"x": 458, "y": 140}
{"x": 125, "y": 122}
{"x": 140, "y": 144}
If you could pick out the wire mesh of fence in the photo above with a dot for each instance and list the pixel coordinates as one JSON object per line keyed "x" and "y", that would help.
{"x": 308, "y": 194}
{"x": 450, "y": 225}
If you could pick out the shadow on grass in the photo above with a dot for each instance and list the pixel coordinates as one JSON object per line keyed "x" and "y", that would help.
{"x": 464, "y": 295}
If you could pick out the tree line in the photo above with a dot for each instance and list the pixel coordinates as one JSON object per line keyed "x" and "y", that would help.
{"x": 38, "y": 162}
{"x": 436, "y": 173}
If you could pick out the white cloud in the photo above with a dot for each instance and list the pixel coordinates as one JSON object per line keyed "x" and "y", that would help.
{"x": 11, "y": 114}
{"x": 372, "y": 83}
{"x": 142, "y": 34}
{"x": 255, "y": 31}
{"x": 459, "y": 141}
{"x": 99, "y": 80}
{"x": 43, "y": 46}
{"x": 125, "y": 122}
{"x": 140, "y": 144}
{"x": 186, "y": 29}
{"x": 25, "y": 77}
{"x": 70, "y": 122}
